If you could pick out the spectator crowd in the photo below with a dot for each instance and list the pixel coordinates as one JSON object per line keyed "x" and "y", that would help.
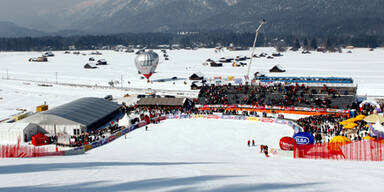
{"x": 278, "y": 94}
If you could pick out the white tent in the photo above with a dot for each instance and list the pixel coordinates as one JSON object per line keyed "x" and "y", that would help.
{"x": 378, "y": 127}
{"x": 125, "y": 121}
{"x": 11, "y": 133}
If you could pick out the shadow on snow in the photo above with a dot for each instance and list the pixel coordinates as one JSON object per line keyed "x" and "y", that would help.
{"x": 28, "y": 168}
{"x": 164, "y": 184}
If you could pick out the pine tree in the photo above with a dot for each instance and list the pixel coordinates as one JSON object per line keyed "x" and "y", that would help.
{"x": 314, "y": 44}
{"x": 296, "y": 45}
{"x": 305, "y": 44}
{"x": 372, "y": 42}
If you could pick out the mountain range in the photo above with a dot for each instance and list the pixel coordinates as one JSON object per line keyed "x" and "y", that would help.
{"x": 295, "y": 17}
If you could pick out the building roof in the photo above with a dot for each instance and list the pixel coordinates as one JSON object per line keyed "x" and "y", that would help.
{"x": 162, "y": 101}
{"x": 85, "y": 111}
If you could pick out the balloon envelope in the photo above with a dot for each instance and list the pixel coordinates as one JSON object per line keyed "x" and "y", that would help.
{"x": 287, "y": 143}
{"x": 146, "y": 63}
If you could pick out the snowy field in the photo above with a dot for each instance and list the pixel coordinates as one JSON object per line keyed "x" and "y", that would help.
{"x": 364, "y": 66}
{"x": 189, "y": 156}
{"x": 180, "y": 155}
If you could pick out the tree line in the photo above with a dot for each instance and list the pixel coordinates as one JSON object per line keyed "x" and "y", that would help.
{"x": 202, "y": 39}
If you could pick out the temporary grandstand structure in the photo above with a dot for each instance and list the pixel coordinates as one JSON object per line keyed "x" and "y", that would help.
{"x": 78, "y": 116}
{"x": 277, "y": 69}
{"x": 172, "y": 102}
{"x": 317, "y": 80}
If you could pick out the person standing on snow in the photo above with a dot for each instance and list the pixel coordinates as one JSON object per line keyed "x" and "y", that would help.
{"x": 266, "y": 150}
{"x": 249, "y": 143}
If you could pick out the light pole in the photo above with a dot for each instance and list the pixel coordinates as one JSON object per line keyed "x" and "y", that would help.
{"x": 254, "y": 45}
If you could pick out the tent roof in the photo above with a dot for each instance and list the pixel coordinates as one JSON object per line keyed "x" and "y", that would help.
{"x": 124, "y": 121}
{"x": 199, "y": 74}
{"x": 84, "y": 111}
{"x": 162, "y": 101}
{"x": 17, "y": 126}
{"x": 278, "y": 67}
{"x": 374, "y": 118}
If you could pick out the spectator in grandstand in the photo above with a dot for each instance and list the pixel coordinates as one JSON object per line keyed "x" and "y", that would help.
{"x": 276, "y": 94}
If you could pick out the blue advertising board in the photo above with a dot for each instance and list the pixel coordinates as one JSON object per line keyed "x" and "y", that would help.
{"x": 304, "y": 138}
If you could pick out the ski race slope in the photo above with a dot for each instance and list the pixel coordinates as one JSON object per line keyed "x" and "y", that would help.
{"x": 189, "y": 156}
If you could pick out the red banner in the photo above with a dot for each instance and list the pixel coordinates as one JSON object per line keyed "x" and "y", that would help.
{"x": 358, "y": 151}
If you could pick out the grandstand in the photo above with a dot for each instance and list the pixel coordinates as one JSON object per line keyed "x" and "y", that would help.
{"x": 318, "y": 80}
{"x": 337, "y": 93}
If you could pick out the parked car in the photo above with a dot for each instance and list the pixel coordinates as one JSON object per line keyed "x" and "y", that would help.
{"x": 108, "y": 97}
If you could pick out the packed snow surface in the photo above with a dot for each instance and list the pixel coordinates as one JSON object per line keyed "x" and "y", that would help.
{"x": 189, "y": 155}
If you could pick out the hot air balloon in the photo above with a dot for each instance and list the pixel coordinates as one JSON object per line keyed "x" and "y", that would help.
{"x": 146, "y": 63}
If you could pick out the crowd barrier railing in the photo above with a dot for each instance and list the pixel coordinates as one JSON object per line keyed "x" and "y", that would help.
{"x": 299, "y": 110}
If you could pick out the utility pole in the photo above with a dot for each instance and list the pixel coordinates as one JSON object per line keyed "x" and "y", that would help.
{"x": 56, "y": 77}
{"x": 7, "y": 75}
{"x": 254, "y": 45}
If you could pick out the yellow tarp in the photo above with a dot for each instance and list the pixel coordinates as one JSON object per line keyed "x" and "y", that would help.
{"x": 360, "y": 117}
{"x": 336, "y": 142}
{"x": 350, "y": 126}
{"x": 344, "y": 123}
{"x": 339, "y": 139}
{"x": 351, "y": 120}
{"x": 368, "y": 138}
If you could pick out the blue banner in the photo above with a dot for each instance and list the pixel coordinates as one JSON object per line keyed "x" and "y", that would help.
{"x": 304, "y": 138}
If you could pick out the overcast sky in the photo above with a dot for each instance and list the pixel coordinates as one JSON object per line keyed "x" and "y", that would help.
{"x": 14, "y": 9}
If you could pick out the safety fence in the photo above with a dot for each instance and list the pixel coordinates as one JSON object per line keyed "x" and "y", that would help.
{"x": 296, "y": 128}
{"x": 126, "y": 130}
{"x": 358, "y": 151}
{"x": 20, "y": 151}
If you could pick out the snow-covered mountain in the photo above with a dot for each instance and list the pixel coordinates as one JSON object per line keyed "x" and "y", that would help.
{"x": 9, "y": 29}
{"x": 303, "y": 17}
{"x": 285, "y": 16}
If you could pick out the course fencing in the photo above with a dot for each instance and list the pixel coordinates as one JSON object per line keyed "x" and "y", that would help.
{"x": 357, "y": 151}
{"x": 21, "y": 151}
{"x": 24, "y": 151}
